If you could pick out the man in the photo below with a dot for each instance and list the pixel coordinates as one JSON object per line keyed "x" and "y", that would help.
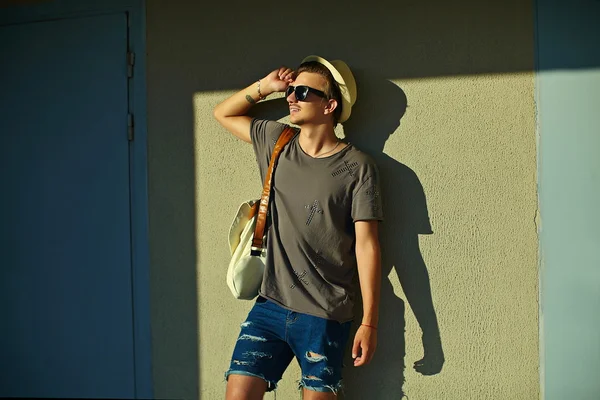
{"x": 324, "y": 216}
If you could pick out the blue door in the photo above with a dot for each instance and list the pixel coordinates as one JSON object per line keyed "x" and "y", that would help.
{"x": 66, "y": 310}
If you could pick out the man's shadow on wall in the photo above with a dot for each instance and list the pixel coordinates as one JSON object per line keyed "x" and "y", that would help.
{"x": 375, "y": 117}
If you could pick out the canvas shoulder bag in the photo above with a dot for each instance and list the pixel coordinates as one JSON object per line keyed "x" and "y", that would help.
{"x": 247, "y": 234}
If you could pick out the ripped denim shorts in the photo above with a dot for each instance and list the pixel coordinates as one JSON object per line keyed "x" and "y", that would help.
{"x": 272, "y": 336}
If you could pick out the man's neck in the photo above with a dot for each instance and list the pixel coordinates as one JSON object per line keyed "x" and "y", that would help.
{"x": 317, "y": 139}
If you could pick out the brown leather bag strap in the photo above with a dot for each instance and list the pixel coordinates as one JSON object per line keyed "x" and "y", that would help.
{"x": 261, "y": 220}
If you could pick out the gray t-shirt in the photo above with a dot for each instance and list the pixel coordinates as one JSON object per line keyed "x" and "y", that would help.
{"x": 311, "y": 263}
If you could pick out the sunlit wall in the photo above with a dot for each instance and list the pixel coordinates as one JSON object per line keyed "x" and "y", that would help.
{"x": 446, "y": 108}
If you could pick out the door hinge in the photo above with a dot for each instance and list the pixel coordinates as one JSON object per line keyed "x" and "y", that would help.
{"x": 130, "y": 127}
{"x": 130, "y": 63}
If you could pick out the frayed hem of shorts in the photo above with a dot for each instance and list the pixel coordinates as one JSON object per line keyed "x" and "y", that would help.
{"x": 270, "y": 384}
{"x": 336, "y": 389}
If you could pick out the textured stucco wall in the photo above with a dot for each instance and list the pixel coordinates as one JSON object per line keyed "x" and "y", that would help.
{"x": 445, "y": 107}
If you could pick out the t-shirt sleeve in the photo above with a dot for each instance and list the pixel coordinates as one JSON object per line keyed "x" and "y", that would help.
{"x": 264, "y": 135}
{"x": 366, "y": 197}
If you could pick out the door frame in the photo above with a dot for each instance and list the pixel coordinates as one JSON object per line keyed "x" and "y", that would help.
{"x": 25, "y": 11}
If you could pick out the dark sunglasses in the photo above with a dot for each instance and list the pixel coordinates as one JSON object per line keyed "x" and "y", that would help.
{"x": 301, "y": 92}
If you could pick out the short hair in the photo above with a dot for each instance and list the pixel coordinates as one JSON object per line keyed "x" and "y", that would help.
{"x": 332, "y": 89}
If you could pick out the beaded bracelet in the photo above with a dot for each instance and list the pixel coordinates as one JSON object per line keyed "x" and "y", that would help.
{"x": 260, "y": 96}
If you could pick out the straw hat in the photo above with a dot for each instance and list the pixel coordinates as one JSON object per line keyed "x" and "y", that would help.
{"x": 343, "y": 76}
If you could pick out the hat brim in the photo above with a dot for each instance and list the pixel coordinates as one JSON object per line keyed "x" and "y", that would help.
{"x": 345, "y": 79}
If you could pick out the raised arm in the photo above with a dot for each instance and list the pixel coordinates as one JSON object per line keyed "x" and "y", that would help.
{"x": 231, "y": 113}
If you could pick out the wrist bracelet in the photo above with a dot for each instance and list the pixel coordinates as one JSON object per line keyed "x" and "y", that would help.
{"x": 260, "y": 96}
{"x": 370, "y": 326}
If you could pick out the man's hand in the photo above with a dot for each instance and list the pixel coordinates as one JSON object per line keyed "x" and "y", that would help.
{"x": 365, "y": 343}
{"x": 277, "y": 81}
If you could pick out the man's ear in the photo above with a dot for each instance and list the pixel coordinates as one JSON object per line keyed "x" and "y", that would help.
{"x": 331, "y": 106}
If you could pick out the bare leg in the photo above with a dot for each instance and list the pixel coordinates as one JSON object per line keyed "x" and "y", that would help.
{"x": 243, "y": 387}
{"x": 312, "y": 395}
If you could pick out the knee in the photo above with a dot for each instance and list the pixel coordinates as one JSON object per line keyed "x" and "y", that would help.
{"x": 234, "y": 392}
{"x": 241, "y": 387}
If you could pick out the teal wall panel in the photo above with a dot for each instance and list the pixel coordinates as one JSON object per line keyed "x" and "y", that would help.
{"x": 568, "y": 99}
